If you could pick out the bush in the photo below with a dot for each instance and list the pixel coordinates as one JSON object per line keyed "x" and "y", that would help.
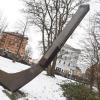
{"x": 76, "y": 91}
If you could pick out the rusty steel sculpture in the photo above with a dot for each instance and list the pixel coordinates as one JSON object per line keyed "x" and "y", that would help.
{"x": 14, "y": 81}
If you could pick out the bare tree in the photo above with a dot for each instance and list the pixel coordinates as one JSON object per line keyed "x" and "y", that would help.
{"x": 22, "y": 28}
{"x": 28, "y": 53}
{"x": 3, "y": 24}
{"x": 50, "y": 16}
{"x": 92, "y": 48}
{"x": 98, "y": 49}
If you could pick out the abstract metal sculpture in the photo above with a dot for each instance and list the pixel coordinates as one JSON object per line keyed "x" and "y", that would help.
{"x": 15, "y": 81}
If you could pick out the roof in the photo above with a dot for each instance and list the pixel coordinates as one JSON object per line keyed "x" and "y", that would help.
{"x": 70, "y": 47}
{"x": 16, "y": 34}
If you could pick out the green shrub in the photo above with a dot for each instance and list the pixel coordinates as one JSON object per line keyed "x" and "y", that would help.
{"x": 76, "y": 91}
{"x": 15, "y": 95}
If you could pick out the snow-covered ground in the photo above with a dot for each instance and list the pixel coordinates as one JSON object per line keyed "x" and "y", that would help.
{"x": 42, "y": 87}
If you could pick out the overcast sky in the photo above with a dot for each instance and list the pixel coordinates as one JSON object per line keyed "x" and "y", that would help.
{"x": 11, "y": 10}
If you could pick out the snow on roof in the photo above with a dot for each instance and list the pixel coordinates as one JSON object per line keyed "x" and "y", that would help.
{"x": 15, "y": 34}
{"x": 72, "y": 48}
{"x": 10, "y": 66}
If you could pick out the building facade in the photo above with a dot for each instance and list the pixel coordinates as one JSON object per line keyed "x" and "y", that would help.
{"x": 67, "y": 62}
{"x": 10, "y": 41}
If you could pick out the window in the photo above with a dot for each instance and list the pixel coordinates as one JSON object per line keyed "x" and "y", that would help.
{"x": 11, "y": 42}
{"x": 65, "y": 58}
{"x": 64, "y": 62}
{"x": 66, "y": 52}
{"x": 59, "y": 61}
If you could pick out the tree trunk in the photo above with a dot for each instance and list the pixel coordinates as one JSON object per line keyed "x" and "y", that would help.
{"x": 98, "y": 79}
{"x": 51, "y": 68}
{"x": 91, "y": 77}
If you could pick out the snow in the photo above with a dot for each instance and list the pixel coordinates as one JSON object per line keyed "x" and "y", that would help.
{"x": 9, "y": 66}
{"x": 2, "y": 95}
{"x": 43, "y": 87}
